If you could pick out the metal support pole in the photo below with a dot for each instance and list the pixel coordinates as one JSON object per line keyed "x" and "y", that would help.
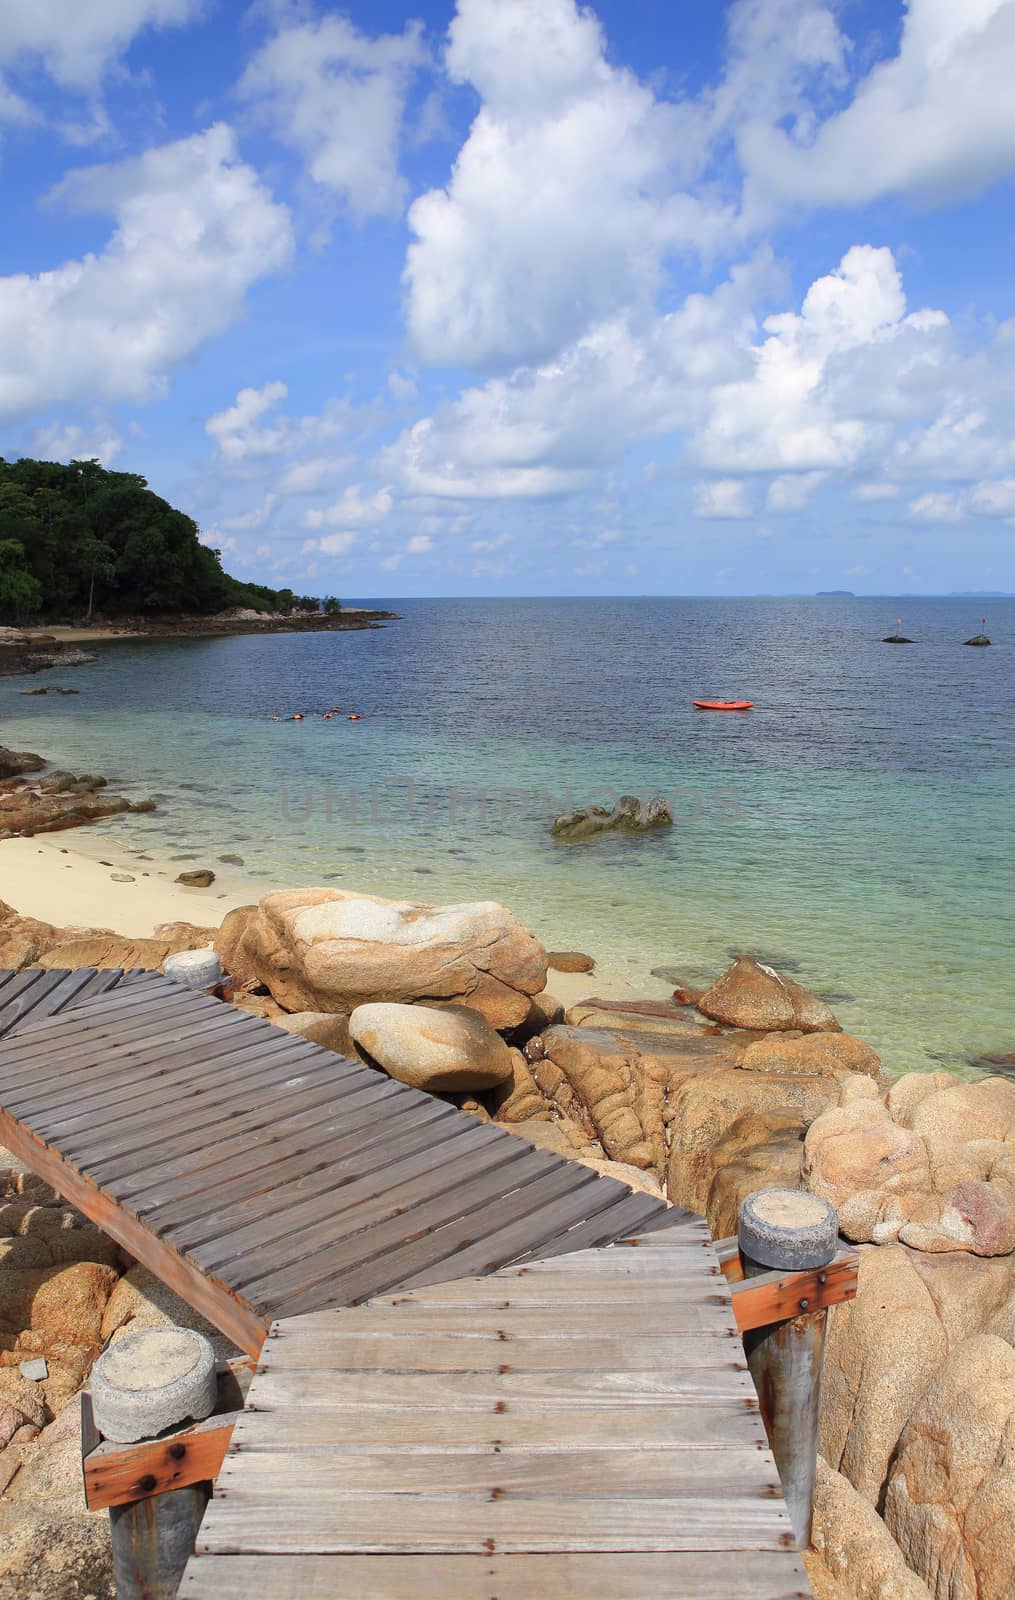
{"x": 153, "y": 1540}
{"x": 142, "y": 1385}
{"x": 789, "y": 1231}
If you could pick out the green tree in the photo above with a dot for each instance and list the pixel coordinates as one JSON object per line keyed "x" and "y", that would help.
{"x": 20, "y": 593}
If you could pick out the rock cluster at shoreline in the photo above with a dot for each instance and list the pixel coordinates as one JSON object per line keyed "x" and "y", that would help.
{"x": 30, "y": 804}
{"x": 702, "y": 1099}
{"x": 22, "y": 652}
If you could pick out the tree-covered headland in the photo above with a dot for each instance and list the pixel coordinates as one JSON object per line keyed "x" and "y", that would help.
{"x": 76, "y": 541}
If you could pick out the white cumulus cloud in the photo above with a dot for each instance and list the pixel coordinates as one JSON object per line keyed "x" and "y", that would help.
{"x": 76, "y": 43}
{"x": 936, "y": 120}
{"x": 195, "y": 229}
{"x": 564, "y": 199}
{"x": 338, "y": 97}
{"x": 721, "y": 498}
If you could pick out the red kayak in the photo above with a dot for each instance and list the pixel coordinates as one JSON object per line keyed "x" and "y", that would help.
{"x": 724, "y": 705}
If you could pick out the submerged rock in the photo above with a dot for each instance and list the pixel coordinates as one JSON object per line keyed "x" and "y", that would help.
{"x": 630, "y": 814}
{"x": 896, "y": 638}
{"x": 570, "y": 961}
{"x": 978, "y": 638}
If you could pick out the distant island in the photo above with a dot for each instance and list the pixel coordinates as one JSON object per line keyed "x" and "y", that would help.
{"x": 835, "y": 594}
{"x": 79, "y": 543}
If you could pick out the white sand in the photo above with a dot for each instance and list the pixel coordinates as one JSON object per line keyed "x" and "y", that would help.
{"x": 68, "y": 879}
{"x": 50, "y": 877}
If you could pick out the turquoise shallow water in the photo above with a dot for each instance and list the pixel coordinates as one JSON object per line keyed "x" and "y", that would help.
{"x": 856, "y": 827}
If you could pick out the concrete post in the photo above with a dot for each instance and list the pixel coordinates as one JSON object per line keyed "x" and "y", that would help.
{"x": 197, "y": 969}
{"x": 145, "y": 1383}
{"x": 787, "y": 1230}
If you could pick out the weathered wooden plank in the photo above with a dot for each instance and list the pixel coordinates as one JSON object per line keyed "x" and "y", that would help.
{"x": 305, "y": 1227}
{"x": 712, "y": 1424}
{"x": 117, "y": 1475}
{"x": 367, "y": 1147}
{"x": 630, "y": 1352}
{"x": 438, "y": 1230}
{"x": 166, "y": 1059}
{"x": 96, "y": 1020}
{"x": 323, "y": 1390}
{"x": 627, "y": 1215}
{"x": 320, "y": 1250}
{"x": 288, "y": 1476}
{"x": 670, "y": 1315}
{"x": 261, "y": 1140}
{"x": 505, "y": 1243}
{"x": 410, "y": 1522}
{"x": 669, "y": 1575}
{"x": 268, "y": 1063}
{"x": 308, "y": 1096}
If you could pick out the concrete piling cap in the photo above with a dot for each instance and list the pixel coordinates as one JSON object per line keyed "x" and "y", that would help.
{"x": 153, "y": 1380}
{"x": 788, "y": 1229}
{"x": 198, "y": 969}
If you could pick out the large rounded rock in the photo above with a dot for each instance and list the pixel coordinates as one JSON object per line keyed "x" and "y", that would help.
{"x": 330, "y": 1029}
{"x": 63, "y": 1305}
{"x": 451, "y": 1049}
{"x": 231, "y": 947}
{"x": 757, "y": 1151}
{"x": 329, "y": 950}
{"x": 750, "y": 995}
{"x": 950, "y": 1504}
{"x": 934, "y": 1167}
{"x": 855, "y": 1547}
{"x": 885, "y": 1347}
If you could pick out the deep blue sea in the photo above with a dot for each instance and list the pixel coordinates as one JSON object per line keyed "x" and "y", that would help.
{"x": 856, "y": 828}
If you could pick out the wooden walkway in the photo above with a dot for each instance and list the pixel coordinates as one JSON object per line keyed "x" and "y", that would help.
{"x": 581, "y": 1427}
{"x": 489, "y": 1373}
{"x": 260, "y": 1176}
{"x": 35, "y": 993}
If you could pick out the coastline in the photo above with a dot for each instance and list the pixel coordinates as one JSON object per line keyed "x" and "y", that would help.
{"x": 72, "y": 884}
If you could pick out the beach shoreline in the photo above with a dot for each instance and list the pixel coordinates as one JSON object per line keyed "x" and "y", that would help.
{"x": 76, "y": 883}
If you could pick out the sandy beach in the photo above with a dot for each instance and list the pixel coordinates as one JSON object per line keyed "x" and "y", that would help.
{"x": 52, "y": 878}
{"x": 74, "y": 880}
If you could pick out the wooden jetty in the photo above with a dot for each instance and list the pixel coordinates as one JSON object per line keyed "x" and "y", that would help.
{"x": 483, "y": 1372}
{"x": 260, "y": 1176}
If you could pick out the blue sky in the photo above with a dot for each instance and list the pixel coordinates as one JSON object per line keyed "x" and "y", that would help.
{"x": 524, "y": 297}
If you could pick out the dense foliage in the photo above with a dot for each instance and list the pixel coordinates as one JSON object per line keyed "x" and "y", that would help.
{"x": 77, "y": 540}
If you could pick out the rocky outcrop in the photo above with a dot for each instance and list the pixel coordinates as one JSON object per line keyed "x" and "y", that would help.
{"x": 14, "y": 763}
{"x": 330, "y": 950}
{"x": 885, "y": 1348}
{"x": 451, "y": 1049}
{"x": 855, "y": 1548}
{"x": 230, "y": 945}
{"x": 61, "y": 801}
{"x": 811, "y": 1052}
{"x": 934, "y": 1167}
{"x": 950, "y": 1502}
{"x": 759, "y": 1150}
{"x": 630, "y": 815}
{"x": 93, "y": 949}
{"x": 750, "y": 995}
